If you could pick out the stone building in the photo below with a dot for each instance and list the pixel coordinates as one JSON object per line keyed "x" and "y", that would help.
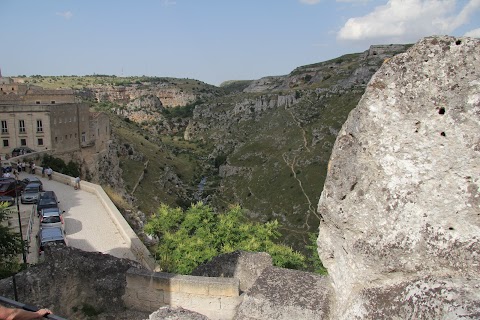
{"x": 42, "y": 120}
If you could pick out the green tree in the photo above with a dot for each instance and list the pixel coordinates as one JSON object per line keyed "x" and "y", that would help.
{"x": 189, "y": 238}
{"x": 10, "y": 247}
{"x": 314, "y": 259}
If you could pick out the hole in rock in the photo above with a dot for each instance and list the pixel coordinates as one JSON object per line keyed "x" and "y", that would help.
{"x": 443, "y": 134}
{"x": 441, "y": 110}
{"x": 451, "y": 228}
{"x": 458, "y": 42}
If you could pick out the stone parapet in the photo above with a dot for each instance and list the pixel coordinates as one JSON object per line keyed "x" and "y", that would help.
{"x": 216, "y": 298}
{"x": 137, "y": 247}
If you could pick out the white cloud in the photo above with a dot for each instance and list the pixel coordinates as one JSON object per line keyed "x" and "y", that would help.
{"x": 408, "y": 20}
{"x": 473, "y": 33}
{"x": 67, "y": 14}
{"x": 310, "y": 1}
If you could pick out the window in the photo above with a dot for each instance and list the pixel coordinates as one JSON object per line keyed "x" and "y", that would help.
{"x": 23, "y": 142}
{"x": 21, "y": 126}
{"x": 53, "y": 102}
{"x": 40, "y": 141}
{"x": 66, "y": 136}
{"x": 56, "y": 139}
{"x": 84, "y": 138}
{"x": 37, "y": 102}
{"x": 4, "y": 126}
{"x": 5, "y": 142}
{"x": 39, "y": 126}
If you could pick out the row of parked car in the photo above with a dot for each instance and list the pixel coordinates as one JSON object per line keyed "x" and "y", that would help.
{"x": 30, "y": 190}
{"x": 52, "y": 224}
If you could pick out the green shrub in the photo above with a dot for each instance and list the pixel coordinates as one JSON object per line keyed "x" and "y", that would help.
{"x": 194, "y": 236}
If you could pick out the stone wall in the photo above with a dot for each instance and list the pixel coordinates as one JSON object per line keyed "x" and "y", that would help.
{"x": 216, "y": 298}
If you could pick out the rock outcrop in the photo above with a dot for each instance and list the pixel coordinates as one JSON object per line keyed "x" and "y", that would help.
{"x": 284, "y": 294}
{"x": 70, "y": 280}
{"x": 400, "y": 230}
{"x": 242, "y": 265}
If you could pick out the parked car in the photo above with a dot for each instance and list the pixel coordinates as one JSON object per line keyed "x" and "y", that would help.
{"x": 50, "y": 235}
{"x": 46, "y": 199}
{"x": 11, "y": 187}
{"x": 6, "y": 166}
{"x": 31, "y": 192}
{"x": 7, "y": 199}
{"x": 21, "y": 150}
{"x": 32, "y": 180}
{"x": 52, "y": 218}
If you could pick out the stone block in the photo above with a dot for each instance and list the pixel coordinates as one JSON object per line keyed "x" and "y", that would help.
{"x": 139, "y": 279}
{"x": 227, "y": 287}
{"x": 177, "y": 299}
{"x": 151, "y": 295}
{"x": 167, "y": 282}
{"x": 194, "y": 285}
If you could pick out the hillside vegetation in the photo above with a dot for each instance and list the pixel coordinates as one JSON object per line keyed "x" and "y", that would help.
{"x": 262, "y": 144}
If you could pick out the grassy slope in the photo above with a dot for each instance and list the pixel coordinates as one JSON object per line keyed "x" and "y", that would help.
{"x": 160, "y": 157}
{"x": 286, "y": 178}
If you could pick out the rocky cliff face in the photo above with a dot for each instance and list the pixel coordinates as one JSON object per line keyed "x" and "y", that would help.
{"x": 400, "y": 209}
{"x": 276, "y": 137}
{"x": 168, "y": 96}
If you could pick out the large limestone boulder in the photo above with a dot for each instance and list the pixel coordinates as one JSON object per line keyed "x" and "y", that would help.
{"x": 242, "y": 265}
{"x": 284, "y": 294}
{"x": 401, "y": 203}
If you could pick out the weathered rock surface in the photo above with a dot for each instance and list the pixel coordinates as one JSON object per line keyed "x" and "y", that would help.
{"x": 70, "y": 279}
{"x": 286, "y": 294}
{"x": 175, "y": 313}
{"x": 167, "y": 94}
{"x": 242, "y": 265}
{"x": 400, "y": 234}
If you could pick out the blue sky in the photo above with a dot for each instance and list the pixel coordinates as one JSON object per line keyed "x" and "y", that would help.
{"x": 211, "y": 40}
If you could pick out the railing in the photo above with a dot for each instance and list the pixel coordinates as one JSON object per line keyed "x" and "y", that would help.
{"x": 29, "y": 228}
{"x": 23, "y": 306}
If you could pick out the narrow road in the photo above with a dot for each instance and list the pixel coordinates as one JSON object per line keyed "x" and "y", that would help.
{"x": 88, "y": 226}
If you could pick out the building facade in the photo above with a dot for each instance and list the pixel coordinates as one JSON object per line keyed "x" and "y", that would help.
{"x": 46, "y": 120}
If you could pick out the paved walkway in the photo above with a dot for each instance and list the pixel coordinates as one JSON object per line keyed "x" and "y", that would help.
{"x": 88, "y": 226}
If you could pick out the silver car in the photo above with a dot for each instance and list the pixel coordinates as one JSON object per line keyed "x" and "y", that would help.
{"x": 31, "y": 192}
{"x": 52, "y": 218}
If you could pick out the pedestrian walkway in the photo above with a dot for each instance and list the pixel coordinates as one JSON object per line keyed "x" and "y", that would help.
{"x": 87, "y": 224}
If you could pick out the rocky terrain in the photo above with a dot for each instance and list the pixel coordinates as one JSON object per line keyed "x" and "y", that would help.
{"x": 400, "y": 230}
{"x": 399, "y": 209}
{"x": 263, "y": 144}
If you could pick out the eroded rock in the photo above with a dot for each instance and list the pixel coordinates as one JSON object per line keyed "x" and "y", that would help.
{"x": 242, "y": 265}
{"x": 401, "y": 203}
{"x": 286, "y": 294}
